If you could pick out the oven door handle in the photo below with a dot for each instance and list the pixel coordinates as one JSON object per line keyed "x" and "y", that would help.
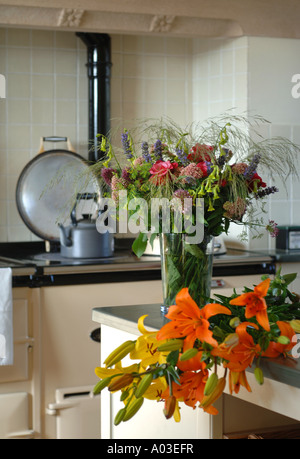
{"x": 53, "y": 408}
{"x": 21, "y": 434}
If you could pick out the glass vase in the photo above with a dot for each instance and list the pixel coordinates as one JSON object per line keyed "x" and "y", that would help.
{"x": 185, "y": 265}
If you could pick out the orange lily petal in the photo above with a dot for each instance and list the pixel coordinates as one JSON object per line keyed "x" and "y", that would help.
{"x": 263, "y": 319}
{"x": 213, "y": 309}
{"x": 186, "y": 303}
{"x": 262, "y": 288}
{"x": 240, "y": 300}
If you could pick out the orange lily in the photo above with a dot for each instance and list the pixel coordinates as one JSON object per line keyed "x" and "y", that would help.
{"x": 242, "y": 355}
{"x": 191, "y": 388}
{"x": 255, "y": 303}
{"x": 237, "y": 379}
{"x": 189, "y": 321}
{"x": 276, "y": 349}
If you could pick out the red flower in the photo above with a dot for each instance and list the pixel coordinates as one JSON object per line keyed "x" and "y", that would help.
{"x": 201, "y": 152}
{"x": 256, "y": 182}
{"x": 161, "y": 171}
{"x": 203, "y": 166}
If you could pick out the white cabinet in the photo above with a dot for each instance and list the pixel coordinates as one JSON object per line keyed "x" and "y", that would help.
{"x": 19, "y": 383}
{"x": 69, "y": 356}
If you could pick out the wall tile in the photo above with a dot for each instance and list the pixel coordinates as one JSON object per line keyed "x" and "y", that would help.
{"x": 18, "y": 37}
{"x": 18, "y": 60}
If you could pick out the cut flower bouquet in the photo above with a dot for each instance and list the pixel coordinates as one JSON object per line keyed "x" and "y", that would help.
{"x": 201, "y": 349}
{"x": 174, "y": 180}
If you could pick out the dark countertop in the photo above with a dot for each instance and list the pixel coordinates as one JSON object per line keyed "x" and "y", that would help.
{"x": 125, "y": 318}
{"x": 33, "y": 266}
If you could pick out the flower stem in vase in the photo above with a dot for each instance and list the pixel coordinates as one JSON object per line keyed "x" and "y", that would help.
{"x": 185, "y": 265}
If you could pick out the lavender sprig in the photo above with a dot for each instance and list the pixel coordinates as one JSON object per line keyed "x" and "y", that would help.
{"x": 182, "y": 156}
{"x": 126, "y": 145}
{"x": 146, "y": 154}
{"x": 158, "y": 150}
{"x": 250, "y": 171}
{"x": 266, "y": 192}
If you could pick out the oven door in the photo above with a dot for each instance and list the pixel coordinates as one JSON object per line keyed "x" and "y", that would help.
{"x": 77, "y": 413}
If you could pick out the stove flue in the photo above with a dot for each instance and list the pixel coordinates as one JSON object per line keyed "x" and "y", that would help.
{"x": 99, "y": 73}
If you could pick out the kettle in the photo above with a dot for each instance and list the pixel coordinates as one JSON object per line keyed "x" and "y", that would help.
{"x": 81, "y": 239}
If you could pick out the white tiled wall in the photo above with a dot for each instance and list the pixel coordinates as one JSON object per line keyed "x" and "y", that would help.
{"x": 46, "y": 94}
{"x": 220, "y": 73}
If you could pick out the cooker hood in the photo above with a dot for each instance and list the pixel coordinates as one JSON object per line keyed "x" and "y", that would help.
{"x": 191, "y": 18}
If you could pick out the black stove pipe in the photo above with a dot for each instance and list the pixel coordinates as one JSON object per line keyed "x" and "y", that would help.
{"x": 99, "y": 72}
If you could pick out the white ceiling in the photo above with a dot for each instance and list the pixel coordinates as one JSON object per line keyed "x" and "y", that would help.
{"x": 186, "y": 18}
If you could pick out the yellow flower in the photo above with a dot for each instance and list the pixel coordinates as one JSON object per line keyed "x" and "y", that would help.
{"x": 118, "y": 370}
{"x": 146, "y": 347}
{"x": 154, "y": 392}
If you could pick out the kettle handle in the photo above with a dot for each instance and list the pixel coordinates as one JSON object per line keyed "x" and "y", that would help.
{"x": 81, "y": 196}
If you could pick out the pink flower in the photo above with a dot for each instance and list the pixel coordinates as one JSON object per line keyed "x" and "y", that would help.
{"x": 191, "y": 171}
{"x": 161, "y": 171}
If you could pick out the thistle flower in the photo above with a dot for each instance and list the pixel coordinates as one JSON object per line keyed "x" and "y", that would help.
{"x": 107, "y": 174}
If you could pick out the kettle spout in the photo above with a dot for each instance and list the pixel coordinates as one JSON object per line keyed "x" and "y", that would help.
{"x": 65, "y": 239}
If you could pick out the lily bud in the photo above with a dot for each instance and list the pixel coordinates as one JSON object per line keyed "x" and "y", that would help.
{"x": 101, "y": 385}
{"x": 143, "y": 385}
{"x": 234, "y": 322}
{"x": 170, "y": 405}
{"x": 171, "y": 345}
{"x": 211, "y": 384}
{"x": 283, "y": 340}
{"x": 121, "y": 382}
{"x": 295, "y": 324}
{"x": 259, "y": 376}
{"x": 119, "y": 416}
{"x": 189, "y": 354}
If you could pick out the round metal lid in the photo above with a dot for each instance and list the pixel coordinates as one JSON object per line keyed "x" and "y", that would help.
{"x": 47, "y": 188}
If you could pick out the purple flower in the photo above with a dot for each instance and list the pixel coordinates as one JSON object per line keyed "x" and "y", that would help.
{"x": 251, "y": 169}
{"x": 107, "y": 174}
{"x": 182, "y": 156}
{"x": 272, "y": 228}
{"x": 126, "y": 145}
{"x": 158, "y": 150}
{"x": 146, "y": 154}
{"x": 266, "y": 192}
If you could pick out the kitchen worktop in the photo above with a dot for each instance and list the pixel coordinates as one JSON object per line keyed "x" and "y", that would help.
{"x": 125, "y": 318}
{"x": 31, "y": 263}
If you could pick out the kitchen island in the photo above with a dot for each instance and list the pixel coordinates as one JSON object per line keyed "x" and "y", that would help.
{"x": 274, "y": 405}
